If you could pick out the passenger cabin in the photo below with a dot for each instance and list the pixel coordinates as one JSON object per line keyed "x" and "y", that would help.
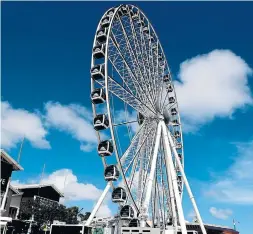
{"x": 101, "y": 122}
{"x": 126, "y": 212}
{"x": 179, "y": 145}
{"x": 177, "y": 134}
{"x": 166, "y": 78}
{"x": 140, "y": 118}
{"x": 110, "y": 12}
{"x": 173, "y": 111}
{"x": 98, "y": 96}
{"x": 141, "y": 22}
{"x": 111, "y": 173}
{"x": 102, "y": 35}
{"x": 169, "y": 88}
{"x": 171, "y": 100}
{"x": 175, "y": 122}
{"x": 105, "y": 148}
{"x": 105, "y": 21}
{"x": 134, "y": 223}
{"x": 98, "y": 72}
{"x": 99, "y": 51}
{"x": 122, "y": 11}
{"x": 145, "y": 29}
{"x": 119, "y": 195}
{"x": 134, "y": 14}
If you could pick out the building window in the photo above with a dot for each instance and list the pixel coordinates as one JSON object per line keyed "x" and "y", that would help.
{"x": 13, "y": 212}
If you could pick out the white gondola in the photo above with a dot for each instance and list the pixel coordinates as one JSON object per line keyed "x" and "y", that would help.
{"x": 173, "y": 111}
{"x": 98, "y": 72}
{"x": 98, "y": 96}
{"x": 110, "y": 13}
{"x": 169, "y": 88}
{"x": 111, "y": 173}
{"x": 105, "y": 148}
{"x": 169, "y": 221}
{"x": 126, "y": 212}
{"x": 102, "y": 35}
{"x": 177, "y": 134}
{"x": 145, "y": 29}
{"x": 134, "y": 223}
{"x": 122, "y": 11}
{"x": 134, "y": 15}
{"x": 179, "y": 183}
{"x": 152, "y": 39}
{"x": 101, "y": 122}
{"x": 166, "y": 78}
{"x": 179, "y": 145}
{"x": 99, "y": 51}
{"x": 105, "y": 21}
{"x": 119, "y": 195}
{"x": 175, "y": 122}
{"x": 140, "y": 118}
{"x": 140, "y": 22}
{"x": 154, "y": 45}
{"x": 160, "y": 57}
{"x": 161, "y": 63}
{"x": 171, "y": 100}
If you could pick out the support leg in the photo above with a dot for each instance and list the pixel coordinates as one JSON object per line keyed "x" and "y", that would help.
{"x": 151, "y": 176}
{"x": 99, "y": 202}
{"x": 174, "y": 179}
{"x": 187, "y": 184}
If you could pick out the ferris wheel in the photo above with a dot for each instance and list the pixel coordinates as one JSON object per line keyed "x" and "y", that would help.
{"x": 137, "y": 122}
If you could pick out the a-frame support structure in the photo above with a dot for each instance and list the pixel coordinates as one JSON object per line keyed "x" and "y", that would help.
{"x": 163, "y": 135}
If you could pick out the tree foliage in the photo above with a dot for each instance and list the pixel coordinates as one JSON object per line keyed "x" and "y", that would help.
{"x": 45, "y": 211}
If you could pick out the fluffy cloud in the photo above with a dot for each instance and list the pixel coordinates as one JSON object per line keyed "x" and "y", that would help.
{"x": 212, "y": 85}
{"x": 19, "y": 123}
{"x": 73, "y": 119}
{"x": 220, "y": 213}
{"x": 104, "y": 211}
{"x": 68, "y": 183}
{"x": 236, "y": 184}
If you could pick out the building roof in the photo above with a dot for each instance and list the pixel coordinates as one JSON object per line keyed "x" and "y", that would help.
{"x": 220, "y": 227}
{"x": 15, "y": 190}
{"x": 29, "y": 186}
{"x": 9, "y": 159}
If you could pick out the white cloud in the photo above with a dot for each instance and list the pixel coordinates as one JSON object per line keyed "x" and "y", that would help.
{"x": 17, "y": 123}
{"x": 236, "y": 184}
{"x": 73, "y": 119}
{"x": 104, "y": 211}
{"x": 220, "y": 213}
{"x": 212, "y": 85}
{"x": 68, "y": 183}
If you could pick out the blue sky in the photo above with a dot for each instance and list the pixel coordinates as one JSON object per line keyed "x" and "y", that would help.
{"x": 46, "y": 52}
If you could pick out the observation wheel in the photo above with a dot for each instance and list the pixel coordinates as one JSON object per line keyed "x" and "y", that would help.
{"x": 137, "y": 120}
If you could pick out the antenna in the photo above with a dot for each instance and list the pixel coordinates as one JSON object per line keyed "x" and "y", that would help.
{"x": 20, "y": 150}
{"x": 43, "y": 172}
{"x": 234, "y": 223}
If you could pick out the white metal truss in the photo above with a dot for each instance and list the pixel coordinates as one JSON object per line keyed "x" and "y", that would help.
{"x": 137, "y": 81}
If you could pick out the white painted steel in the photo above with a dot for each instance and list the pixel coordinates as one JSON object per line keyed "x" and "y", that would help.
{"x": 151, "y": 174}
{"x": 98, "y": 204}
{"x": 173, "y": 175}
{"x": 187, "y": 185}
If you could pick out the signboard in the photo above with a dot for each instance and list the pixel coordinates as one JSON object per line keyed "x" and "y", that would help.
{"x": 6, "y": 170}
